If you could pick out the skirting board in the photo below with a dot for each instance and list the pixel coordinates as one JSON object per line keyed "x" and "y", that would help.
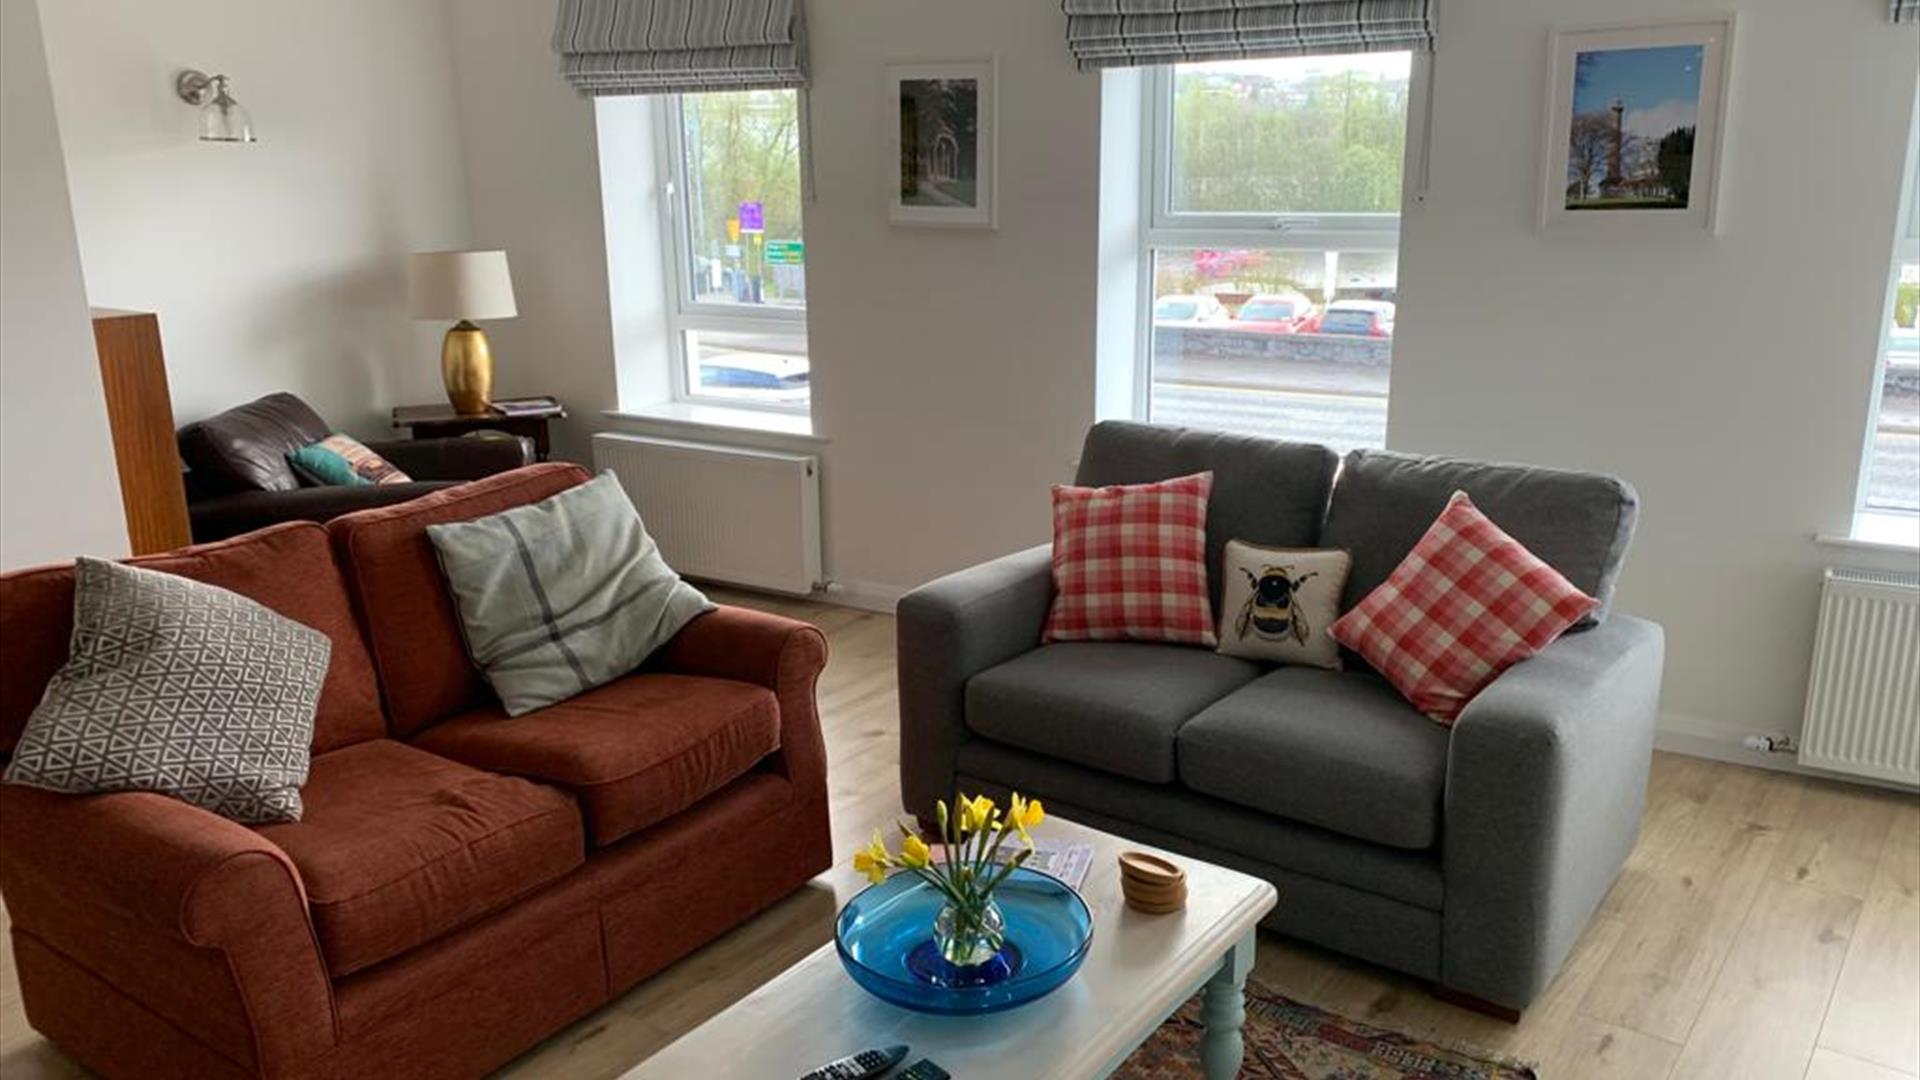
{"x": 1684, "y": 735}
{"x": 864, "y": 595}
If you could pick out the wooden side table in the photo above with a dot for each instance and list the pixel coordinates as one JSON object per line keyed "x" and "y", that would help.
{"x": 440, "y": 421}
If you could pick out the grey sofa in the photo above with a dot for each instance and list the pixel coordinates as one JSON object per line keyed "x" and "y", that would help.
{"x": 1470, "y": 857}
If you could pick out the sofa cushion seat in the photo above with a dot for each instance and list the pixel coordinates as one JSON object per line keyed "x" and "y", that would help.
{"x": 635, "y": 751}
{"x": 1112, "y": 706}
{"x": 398, "y": 846}
{"x": 1339, "y": 750}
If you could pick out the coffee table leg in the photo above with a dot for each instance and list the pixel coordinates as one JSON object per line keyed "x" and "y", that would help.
{"x": 1223, "y": 1009}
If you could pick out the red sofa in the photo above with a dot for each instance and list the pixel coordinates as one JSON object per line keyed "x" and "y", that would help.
{"x": 462, "y": 884}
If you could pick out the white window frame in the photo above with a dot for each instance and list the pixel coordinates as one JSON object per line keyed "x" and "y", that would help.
{"x": 1871, "y": 520}
{"x": 684, "y": 311}
{"x": 1167, "y": 228}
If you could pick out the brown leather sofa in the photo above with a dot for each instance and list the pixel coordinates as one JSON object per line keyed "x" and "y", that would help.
{"x": 238, "y": 478}
{"x": 462, "y": 883}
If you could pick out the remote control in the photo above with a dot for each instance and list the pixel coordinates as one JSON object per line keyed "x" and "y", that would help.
{"x": 860, "y": 1066}
{"x": 924, "y": 1069}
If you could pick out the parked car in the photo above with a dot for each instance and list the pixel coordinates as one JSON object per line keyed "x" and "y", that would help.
{"x": 1357, "y": 318}
{"x": 1188, "y": 309}
{"x": 1274, "y": 313}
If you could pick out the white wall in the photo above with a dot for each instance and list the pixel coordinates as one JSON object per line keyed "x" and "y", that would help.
{"x": 59, "y": 491}
{"x": 1727, "y": 377}
{"x": 277, "y": 265}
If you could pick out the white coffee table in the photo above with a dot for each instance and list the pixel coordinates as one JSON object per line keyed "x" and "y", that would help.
{"x": 1138, "y": 971}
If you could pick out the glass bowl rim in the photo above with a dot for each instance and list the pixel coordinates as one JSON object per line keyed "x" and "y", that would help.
{"x": 1072, "y": 959}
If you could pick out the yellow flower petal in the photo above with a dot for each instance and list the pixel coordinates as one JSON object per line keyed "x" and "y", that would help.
{"x": 914, "y": 853}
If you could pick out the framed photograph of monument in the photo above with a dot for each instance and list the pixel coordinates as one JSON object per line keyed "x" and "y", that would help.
{"x": 1635, "y": 121}
{"x": 943, "y": 119}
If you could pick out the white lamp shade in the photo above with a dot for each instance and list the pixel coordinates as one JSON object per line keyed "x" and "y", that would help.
{"x": 460, "y": 285}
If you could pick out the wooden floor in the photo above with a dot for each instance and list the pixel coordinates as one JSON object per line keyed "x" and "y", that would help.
{"x": 1767, "y": 925}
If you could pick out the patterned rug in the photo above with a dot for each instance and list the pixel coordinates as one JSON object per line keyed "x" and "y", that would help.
{"x": 1289, "y": 1041}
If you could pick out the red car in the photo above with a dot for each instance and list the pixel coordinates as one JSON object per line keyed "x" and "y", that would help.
{"x": 1275, "y": 313}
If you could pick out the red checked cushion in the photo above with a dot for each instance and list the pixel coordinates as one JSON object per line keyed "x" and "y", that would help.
{"x": 1130, "y": 563}
{"x": 1467, "y": 603}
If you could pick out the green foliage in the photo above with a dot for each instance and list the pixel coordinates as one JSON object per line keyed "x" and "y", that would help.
{"x": 742, "y": 146}
{"x": 1329, "y": 143}
{"x": 1675, "y": 162}
{"x": 1906, "y": 303}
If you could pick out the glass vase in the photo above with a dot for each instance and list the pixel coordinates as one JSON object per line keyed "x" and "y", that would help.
{"x": 969, "y": 935}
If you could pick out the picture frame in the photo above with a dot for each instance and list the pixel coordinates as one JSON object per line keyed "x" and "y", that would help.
{"x": 943, "y": 123}
{"x": 1636, "y": 124}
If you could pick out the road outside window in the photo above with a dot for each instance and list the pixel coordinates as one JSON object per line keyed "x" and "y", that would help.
{"x": 1286, "y": 328}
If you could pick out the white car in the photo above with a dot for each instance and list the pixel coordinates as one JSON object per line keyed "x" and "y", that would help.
{"x": 1188, "y": 309}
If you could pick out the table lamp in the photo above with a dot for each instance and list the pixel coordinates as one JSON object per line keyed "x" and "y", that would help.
{"x": 462, "y": 285}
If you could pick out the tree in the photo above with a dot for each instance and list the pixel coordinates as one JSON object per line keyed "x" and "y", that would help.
{"x": 1590, "y": 143}
{"x": 1676, "y": 162}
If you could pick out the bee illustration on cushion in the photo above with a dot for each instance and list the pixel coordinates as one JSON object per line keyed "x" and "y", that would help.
{"x": 1270, "y": 609}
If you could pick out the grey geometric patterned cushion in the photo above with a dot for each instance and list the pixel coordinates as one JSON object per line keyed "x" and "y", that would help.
{"x": 179, "y": 687}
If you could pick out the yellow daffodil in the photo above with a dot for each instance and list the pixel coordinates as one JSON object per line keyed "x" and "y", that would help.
{"x": 872, "y": 860}
{"x": 1024, "y": 815}
{"x": 940, "y": 812}
{"x": 976, "y": 814}
{"x": 914, "y": 853}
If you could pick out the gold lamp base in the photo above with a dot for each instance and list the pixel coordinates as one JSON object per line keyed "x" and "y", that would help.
{"x": 466, "y": 366}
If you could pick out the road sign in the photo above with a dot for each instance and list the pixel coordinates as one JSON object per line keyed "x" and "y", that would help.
{"x": 753, "y": 217}
{"x": 786, "y": 253}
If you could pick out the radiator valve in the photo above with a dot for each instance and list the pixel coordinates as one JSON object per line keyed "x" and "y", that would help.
{"x": 1769, "y": 744}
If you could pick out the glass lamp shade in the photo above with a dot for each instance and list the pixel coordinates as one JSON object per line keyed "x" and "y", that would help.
{"x": 223, "y": 119}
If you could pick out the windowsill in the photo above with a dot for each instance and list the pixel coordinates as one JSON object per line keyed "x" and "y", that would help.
{"x": 1879, "y": 531}
{"x": 689, "y": 418}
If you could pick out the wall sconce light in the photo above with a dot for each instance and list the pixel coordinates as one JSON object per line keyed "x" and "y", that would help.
{"x": 222, "y": 119}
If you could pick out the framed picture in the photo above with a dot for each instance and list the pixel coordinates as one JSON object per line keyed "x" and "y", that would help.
{"x": 945, "y": 120}
{"x": 1635, "y": 121}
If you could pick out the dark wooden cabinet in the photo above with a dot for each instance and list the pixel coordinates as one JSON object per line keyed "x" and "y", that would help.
{"x": 133, "y": 374}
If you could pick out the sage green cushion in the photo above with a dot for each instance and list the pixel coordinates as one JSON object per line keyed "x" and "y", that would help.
{"x": 562, "y": 595}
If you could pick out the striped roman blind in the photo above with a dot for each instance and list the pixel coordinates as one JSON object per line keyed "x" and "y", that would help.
{"x": 1134, "y": 33}
{"x": 1904, "y": 10}
{"x": 680, "y": 46}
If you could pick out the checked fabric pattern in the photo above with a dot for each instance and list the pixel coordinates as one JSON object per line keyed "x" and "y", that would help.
{"x": 179, "y": 687}
{"x": 1467, "y": 603}
{"x": 1130, "y": 563}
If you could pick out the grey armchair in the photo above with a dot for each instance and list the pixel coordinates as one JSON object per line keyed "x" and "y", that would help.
{"x": 1471, "y": 857}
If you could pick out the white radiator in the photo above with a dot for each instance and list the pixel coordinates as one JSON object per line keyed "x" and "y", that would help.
{"x": 1863, "y": 700}
{"x": 720, "y": 513}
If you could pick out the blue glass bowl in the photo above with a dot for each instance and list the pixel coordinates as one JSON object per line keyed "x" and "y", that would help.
{"x": 884, "y": 936}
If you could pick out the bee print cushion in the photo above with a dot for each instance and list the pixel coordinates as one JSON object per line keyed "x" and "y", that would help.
{"x": 1277, "y": 603}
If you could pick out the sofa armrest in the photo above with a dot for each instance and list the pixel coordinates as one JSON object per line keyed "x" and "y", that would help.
{"x": 784, "y": 655}
{"x": 455, "y": 458}
{"x": 201, "y": 920}
{"x": 1546, "y": 779}
{"x": 950, "y": 630}
{"x": 222, "y": 516}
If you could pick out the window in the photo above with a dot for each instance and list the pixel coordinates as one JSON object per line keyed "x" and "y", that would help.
{"x": 739, "y": 273}
{"x": 1272, "y": 240}
{"x": 1890, "y": 493}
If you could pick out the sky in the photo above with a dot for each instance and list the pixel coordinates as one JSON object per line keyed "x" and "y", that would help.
{"x": 1660, "y": 86}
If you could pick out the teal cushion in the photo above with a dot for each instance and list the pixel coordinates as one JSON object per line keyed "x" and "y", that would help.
{"x": 563, "y": 595}
{"x": 324, "y": 466}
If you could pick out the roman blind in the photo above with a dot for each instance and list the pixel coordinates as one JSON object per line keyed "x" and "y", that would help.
{"x": 680, "y": 46}
{"x": 1135, "y": 33}
{"x": 1904, "y": 10}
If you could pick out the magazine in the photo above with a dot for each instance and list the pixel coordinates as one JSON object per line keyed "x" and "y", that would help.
{"x": 533, "y": 406}
{"x": 1068, "y": 860}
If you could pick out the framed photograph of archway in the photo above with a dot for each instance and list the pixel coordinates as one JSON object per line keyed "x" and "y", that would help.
{"x": 1636, "y": 117}
{"x": 943, "y": 118}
